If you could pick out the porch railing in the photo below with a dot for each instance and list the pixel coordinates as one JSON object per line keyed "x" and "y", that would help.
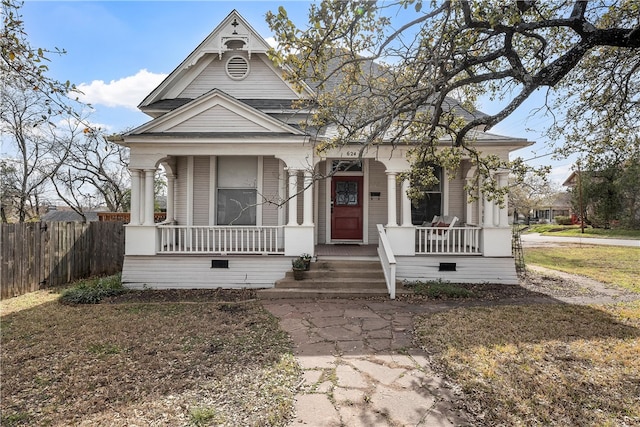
{"x": 179, "y": 239}
{"x": 448, "y": 241}
{"x": 388, "y": 261}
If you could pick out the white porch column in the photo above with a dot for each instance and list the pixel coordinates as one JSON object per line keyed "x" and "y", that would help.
{"x": 140, "y": 239}
{"x": 391, "y": 200}
{"x": 406, "y": 205}
{"x": 496, "y": 239}
{"x": 298, "y": 239}
{"x": 171, "y": 181}
{"x": 293, "y": 197}
{"x": 488, "y": 212}
{"x": 135, "y": 197}
{"x": 148, "y": 196}
{"x": 503, "y": 214}
{"x": 402, "y": 239}
{"x": 308, "y": 199}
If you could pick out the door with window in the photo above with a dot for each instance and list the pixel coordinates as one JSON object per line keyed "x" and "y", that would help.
{"x": 346, "y": 208}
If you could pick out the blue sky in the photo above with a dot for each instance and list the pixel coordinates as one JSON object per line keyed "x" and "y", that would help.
{"x": 118, "y": 51}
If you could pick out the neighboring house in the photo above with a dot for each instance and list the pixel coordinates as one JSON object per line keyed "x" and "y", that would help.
{"x": 243, "y": 194}
{"x": 558, "y": 205}
{"x": 57, "y": 214}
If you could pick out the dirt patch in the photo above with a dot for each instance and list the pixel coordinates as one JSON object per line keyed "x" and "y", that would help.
{"x": 182, "y": 295}
{"x": 162, "y": 364}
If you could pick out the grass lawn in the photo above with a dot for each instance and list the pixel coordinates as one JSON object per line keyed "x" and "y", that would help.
{"x": 143, "y": 364}
{"x": 552, "y": 365}
{"x": 608, "y": 264}
{"x": 574, "y": 231}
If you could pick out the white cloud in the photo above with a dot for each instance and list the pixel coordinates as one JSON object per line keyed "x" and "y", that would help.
{"x": 127, "y": 92}
{"x": 271, "y": 41}
{"x": 560, "y": 173}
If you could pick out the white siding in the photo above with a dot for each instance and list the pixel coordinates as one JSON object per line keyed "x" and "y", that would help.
{"x": 270, "y": 198}
{"x": 201, "y": 183}
{"x": 469, "y": 269}
{"x": 181, "y": 191}
{"x": 195, "y": 272}
{"x": 217, "y": 119}
{"x": 377, "y": 208}
{"x": 261, "y": 82}
{"x": 457, "y": 206}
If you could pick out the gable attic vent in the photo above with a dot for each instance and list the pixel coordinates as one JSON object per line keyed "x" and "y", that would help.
{"x": 237, "y": 67}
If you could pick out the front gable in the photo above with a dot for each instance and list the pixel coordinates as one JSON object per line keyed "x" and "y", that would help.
{"x": 233, "y": 58}
{"x": 215, "y": 112}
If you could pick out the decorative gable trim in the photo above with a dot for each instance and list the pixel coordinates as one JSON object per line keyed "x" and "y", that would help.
{"x": 200, "y": 115}
{"x": 233, "y": 34}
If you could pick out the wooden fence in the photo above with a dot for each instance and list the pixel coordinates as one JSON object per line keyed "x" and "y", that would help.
{"x": 46, "y": 254}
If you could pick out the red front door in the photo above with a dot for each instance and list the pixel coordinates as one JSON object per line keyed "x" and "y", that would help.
{"x": 346, "y": 208}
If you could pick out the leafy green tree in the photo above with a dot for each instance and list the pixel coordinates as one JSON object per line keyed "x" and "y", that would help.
{"x": 383, "y": 78}
{"x": 530, "y": 191}
{"x": 610, "y": 194}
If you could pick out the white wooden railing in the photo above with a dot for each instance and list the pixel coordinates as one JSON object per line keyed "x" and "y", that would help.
{"x": 448, "y": 241}
{"x": 388, "y": 261}
{"x": 180, "y": 239}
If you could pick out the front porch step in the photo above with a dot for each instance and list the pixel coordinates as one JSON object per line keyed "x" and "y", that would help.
{"x": 333, "y": 279}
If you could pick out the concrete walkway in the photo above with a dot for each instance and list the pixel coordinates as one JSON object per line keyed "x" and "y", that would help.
{"x": 360, "y": 366}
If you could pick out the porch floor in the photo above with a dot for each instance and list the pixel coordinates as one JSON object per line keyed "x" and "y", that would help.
{"x": 349, "y": 250}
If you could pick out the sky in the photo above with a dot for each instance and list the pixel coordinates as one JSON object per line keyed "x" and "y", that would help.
{"x": 119, "y": 51}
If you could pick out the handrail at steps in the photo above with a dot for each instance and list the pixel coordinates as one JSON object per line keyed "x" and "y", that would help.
{"x": 388, "y": 261}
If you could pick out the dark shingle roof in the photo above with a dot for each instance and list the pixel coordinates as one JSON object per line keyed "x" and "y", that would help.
{"x": 67, "y": 216}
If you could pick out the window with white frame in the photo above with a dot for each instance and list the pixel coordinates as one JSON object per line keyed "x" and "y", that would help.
{"x": 237, "y": 190}
{"x": 423, "y": 211}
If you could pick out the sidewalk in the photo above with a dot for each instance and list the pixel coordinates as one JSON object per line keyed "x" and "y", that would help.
{"x": 536, "y": 239}
{"x": 360, "y": 366}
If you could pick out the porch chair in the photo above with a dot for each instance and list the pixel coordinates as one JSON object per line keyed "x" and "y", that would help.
{"x": 445, "y": 222}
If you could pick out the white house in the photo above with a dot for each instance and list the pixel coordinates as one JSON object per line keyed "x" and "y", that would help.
{"x": 244, "y": 193}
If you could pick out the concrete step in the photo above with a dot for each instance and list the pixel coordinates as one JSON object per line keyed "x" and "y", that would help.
{"x": 319, "y": 293}
{"x": 339, "y": 274}
{"x": 342, "y": 278}
{"x": 332, "y": 283}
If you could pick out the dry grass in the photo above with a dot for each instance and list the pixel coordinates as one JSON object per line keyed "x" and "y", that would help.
{"x": 552, "y": 365}
{"x": 145, "y": 364}
{"x": 608, "y": 264}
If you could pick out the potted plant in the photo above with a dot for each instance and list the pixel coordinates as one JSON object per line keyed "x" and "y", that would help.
{"x": 298, "y": 267}
{"x": 306, "y": 258}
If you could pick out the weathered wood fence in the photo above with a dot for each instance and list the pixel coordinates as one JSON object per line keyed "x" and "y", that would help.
{"x": 46, "y": 254}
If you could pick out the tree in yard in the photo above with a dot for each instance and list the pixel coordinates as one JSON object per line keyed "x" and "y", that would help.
{"x": 530, "y": 191}
{"x": 19, "y": 61}
{"x": 25, "y": 122}
{"x": 49, "y": 140}
{"x": 383, "y": 78}
{"x": 95, "y": 173}
{"x": 610, "y": 193}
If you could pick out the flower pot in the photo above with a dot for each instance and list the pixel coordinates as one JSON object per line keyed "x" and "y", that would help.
{"x": 298, "y": 274}
{"x": 307, "y": 264}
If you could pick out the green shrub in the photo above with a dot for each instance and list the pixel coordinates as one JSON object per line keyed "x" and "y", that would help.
{"x": 563, "y": 220}
{"x": 440, "y": 289}
{"x": 92, "y": 291}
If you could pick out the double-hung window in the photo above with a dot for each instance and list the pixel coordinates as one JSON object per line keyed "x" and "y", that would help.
{"x": 236, "y": 198}
{"x": 423, "y": 211}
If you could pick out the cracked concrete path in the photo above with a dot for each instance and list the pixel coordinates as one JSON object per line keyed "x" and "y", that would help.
{"x": 360, "y": 367}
